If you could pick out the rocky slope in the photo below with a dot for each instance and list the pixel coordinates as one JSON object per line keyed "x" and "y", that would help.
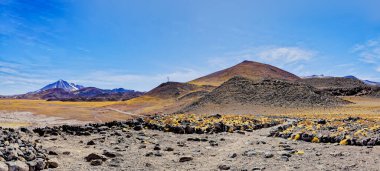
{"x": 240, "y": 90}
{"x": 333, "y": 82}
{"x": 341, "y": 86}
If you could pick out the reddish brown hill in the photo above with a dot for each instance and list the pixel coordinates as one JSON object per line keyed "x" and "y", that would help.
{"x": 247, "y": 69}
{"x": 175, "y": 89}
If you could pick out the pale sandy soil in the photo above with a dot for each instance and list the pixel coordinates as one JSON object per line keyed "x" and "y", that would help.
{"x": 18, "y": 119}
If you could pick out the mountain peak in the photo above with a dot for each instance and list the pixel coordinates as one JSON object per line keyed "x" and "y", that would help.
{"x": 249, "y": 69}
{"x": 62, "y": 84}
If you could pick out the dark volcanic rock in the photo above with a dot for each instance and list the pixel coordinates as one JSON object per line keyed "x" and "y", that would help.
{"x": 185, "y": 159}
{"x": 240, "y": 90}
{"x": 94, "y": 156}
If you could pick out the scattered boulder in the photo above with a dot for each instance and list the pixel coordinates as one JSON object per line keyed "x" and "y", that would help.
{"x": 91, "y": 142}
{"x": 250, "y": 153}
{"x": 185, "y": 159}
{"x": 94, "y": 156}
{"x": 169, "y": 149}
{"x": 268, "y": 155}
{"x": 224, "y": 167}
{"x": 96, "y": 162}
{"x": 52, "y": 163}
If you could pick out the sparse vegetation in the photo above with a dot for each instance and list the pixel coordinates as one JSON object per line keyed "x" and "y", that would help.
{"x": 348, "y": 131}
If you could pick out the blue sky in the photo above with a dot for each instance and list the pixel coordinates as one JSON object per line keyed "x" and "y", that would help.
{"x": 138, "y": 44}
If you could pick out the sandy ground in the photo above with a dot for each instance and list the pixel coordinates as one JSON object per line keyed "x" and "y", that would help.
{"x": 18, "y": 119}
{"x": 134, "y": 150}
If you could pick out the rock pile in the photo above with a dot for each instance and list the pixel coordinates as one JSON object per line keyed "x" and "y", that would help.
{"x": 16, "y": 153}
{"x": 349, "y": 131}
{"x": 179, "y": 123}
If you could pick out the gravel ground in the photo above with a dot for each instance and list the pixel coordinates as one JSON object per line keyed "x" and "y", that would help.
{"x": 156, "y": 150}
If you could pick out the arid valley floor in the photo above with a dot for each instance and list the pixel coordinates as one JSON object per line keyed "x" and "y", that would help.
{"x": 127, "y": 148}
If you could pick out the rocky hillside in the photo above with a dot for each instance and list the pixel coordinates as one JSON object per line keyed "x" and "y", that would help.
{"x": 333, "y": 82}
{"x": 240, "y": 90}
{"x": 341, "y": 86}
{"x": 248, "y": 69}
{"x": 176, "y": 89}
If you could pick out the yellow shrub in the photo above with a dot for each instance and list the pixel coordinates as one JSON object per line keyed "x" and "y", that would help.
{"x": 297, "y": 137}
{"x": 343, "y": 142}
{"x": 315, "y": 140}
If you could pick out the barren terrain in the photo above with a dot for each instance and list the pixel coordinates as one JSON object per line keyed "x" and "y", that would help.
{"x": 128, "y": 148}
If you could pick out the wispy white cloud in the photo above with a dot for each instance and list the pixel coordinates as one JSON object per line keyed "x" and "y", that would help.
{"x": 378, "y": 69}
{"x": 142, "y": 82}
{"x": 368, "y": 52}
{"x": 286, "y": 54}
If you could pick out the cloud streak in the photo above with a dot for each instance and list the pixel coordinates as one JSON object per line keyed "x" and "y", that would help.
{"x": 286, "y": 54}
{"x": 368, "y": 52}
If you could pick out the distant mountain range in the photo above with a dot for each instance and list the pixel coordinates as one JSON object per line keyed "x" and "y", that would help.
{"x": 317, "y": 76}
{"x": 181, "y": 94}
{"x": 367, "y": 82}
{"x": 64, "y": 91}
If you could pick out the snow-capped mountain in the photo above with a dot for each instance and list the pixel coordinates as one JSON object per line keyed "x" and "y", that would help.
{"x": 317, "y": 76}
{"x": 367, "y": 82}
{"x": 371, "y": 83}
{"x": 63, "y": 85}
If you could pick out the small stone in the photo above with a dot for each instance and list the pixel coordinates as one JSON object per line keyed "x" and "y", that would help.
{"x": 158, "y": 154}
{"x": 137, "y": 128}
{"x": 110, "y": 154}
{"x": 285, "y": 153}
{"x": 250, "y": 153}
{"x": 40, "y": 164}
{"x": 66, "y": 153}
{"x": 213, "y": 143}
{"x": 284, "y": 158}
{"x": 240, "y": 132}
{"x": 321, "y": 121}
{"x": 268, "y": 155}
{"x": 224, "y": 167}
{"x": 53, "y": 153}
{"x": 258, "y": 168}
{"x": 185, "y": 159}
{"x": 91, "y": 142}
{"x": 96, "y": 162}
{"x": 169, "y": 149}
{"x": 149, "y": 154}
{"x": 115, "y": 162}
{"x": 18, "y": 165}
{"x": 52, "y": 163}
{"x": 233, "y": 155}
{"x": 94, "y": 156}
{"x": 181, "y": 144}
